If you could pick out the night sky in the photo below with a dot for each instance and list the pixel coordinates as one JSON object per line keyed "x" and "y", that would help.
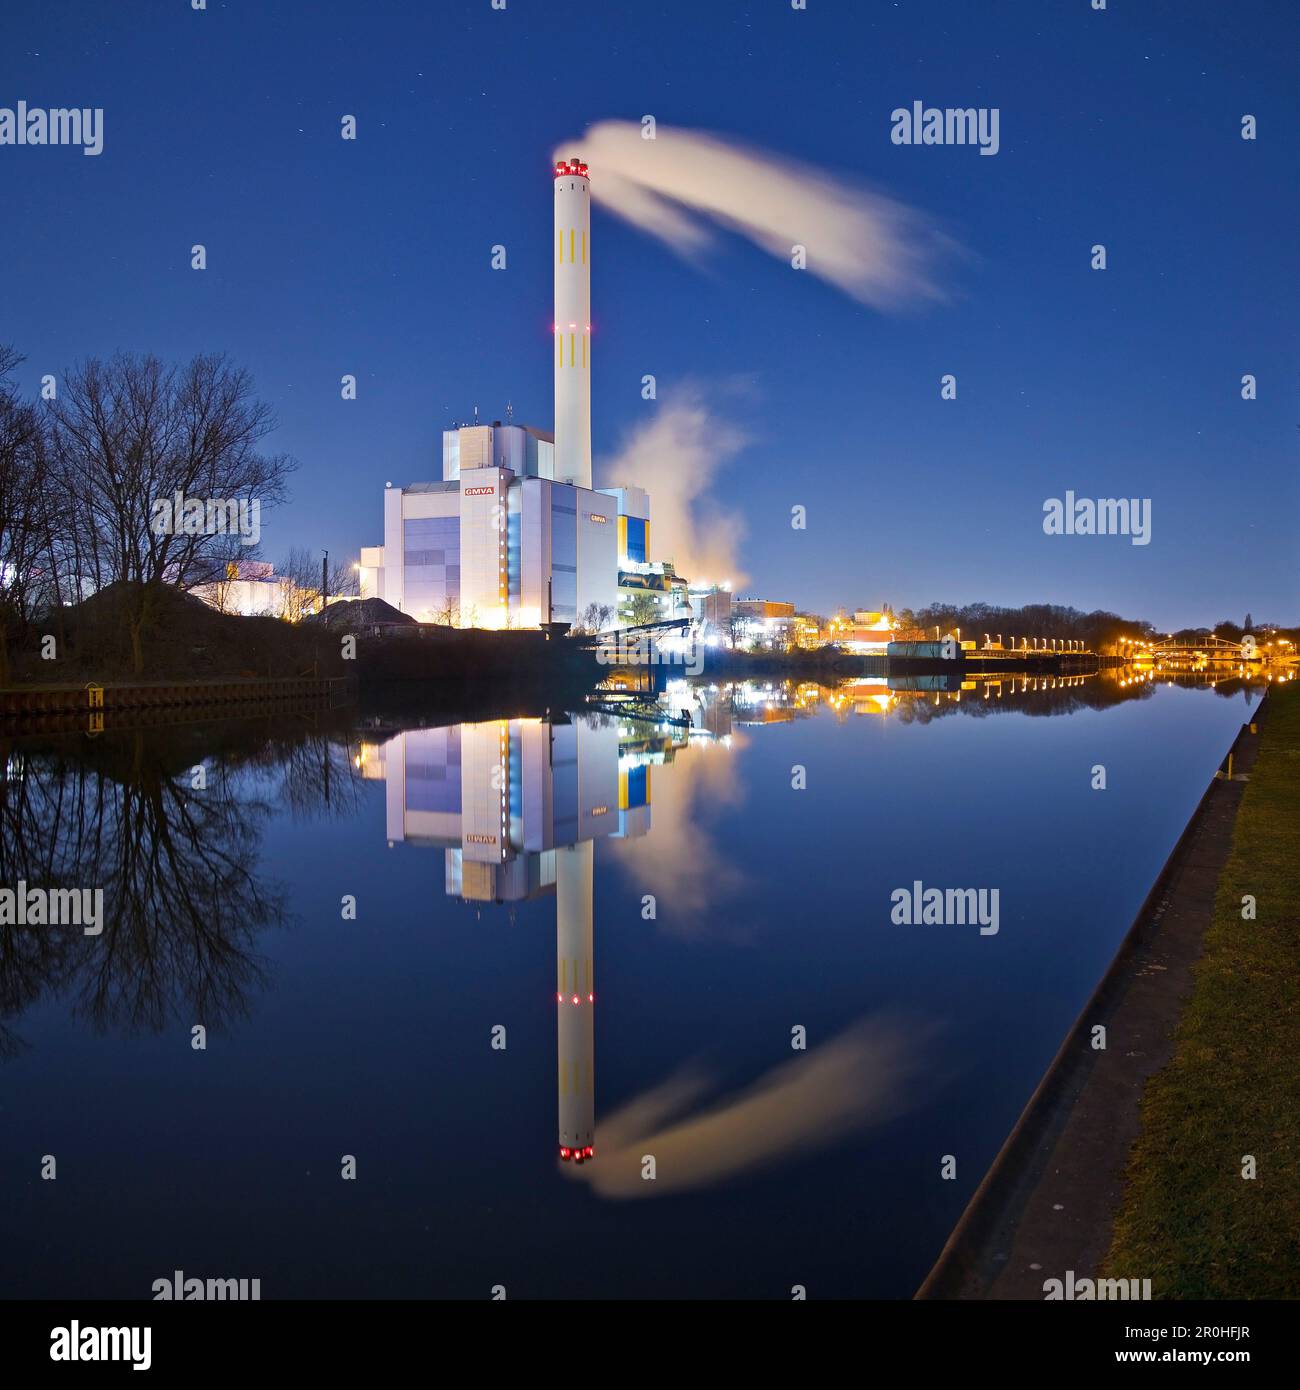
{"x": 373, "y": 257}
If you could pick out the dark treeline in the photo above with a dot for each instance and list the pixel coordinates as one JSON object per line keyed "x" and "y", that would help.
{"x": 82, "y": 468}
{"x": 1096, "y": 630}
{"x": 1234, "y": 632}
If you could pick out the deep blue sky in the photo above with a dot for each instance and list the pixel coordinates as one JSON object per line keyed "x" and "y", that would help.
{"x": 325, "y": 257}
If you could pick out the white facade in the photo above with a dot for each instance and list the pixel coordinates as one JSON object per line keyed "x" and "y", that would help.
{"x": 520, "y": 448}
{"x": 250, "y": 598}
{"x": 252, "y": 589}
{"x": 493, "y": 549}
{"x": 505, "y": 795}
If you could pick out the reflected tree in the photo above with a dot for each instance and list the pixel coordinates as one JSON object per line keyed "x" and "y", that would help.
{"x": 184, "y": 897}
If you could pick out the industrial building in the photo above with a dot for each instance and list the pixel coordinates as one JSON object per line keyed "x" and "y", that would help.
{"x": 869, "y": 631}
{"x": 499, "y": 541}
{"x": 513, "y": 534}
{"x": 765, "y": 621}
{"x": 711, "y": 608}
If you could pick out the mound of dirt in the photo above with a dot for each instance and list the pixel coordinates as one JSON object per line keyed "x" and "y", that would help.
{"x": 179, "y": 637}
{"x": 353, "y": 614}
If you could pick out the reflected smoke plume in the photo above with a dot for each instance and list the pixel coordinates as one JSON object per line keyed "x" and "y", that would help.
{"x": 867, "y": 1075}
{"x": 703, "y": 876}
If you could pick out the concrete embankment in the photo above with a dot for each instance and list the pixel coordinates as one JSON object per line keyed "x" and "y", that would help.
{"x": 96, "y": 706}
{"x": 1047, "y": 1204}
{"x": 457, "y": 655}
{"x": 1211, "y": 1203}
{"x": 427, "y": 663}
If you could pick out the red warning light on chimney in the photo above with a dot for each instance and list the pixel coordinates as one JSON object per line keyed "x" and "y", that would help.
{"x": 573, "y": 166}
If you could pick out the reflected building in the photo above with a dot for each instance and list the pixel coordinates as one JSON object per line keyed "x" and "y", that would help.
{"x": 517, "y": 806}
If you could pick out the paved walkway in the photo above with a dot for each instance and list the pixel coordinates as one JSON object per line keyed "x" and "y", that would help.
{"x": 1048, "y": 1203}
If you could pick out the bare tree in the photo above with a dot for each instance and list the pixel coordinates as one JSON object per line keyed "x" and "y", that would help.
{"x": 343, "y": 580}
{"x": 299, "y": 579}
{"x": 448, "y": 612}
{"x": 593, "y": 618}
{"x": 225, "y": 565}
{"x": 132, "y": 434}
{"x": 299, "y": 576}
{"x": 25, "y": 570}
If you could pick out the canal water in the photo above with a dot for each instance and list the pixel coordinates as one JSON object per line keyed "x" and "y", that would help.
{"x": 381, "y": 924}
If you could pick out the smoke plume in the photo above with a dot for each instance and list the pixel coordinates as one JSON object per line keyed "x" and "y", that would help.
{"x": 681, "y": 184}
{"x": 675, "y": 455}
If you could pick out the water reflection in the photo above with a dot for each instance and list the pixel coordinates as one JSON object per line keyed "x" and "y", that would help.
{"x": 920, "y": 698}
{"x": 173, "y": 843}
{"x": 516, "y": 806}
{"x": 869, "y": 1073}
{"x": 370, "y": 1036}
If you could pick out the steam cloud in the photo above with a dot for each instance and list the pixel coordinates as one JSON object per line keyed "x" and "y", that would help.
{"x": 875, "y": 249}
{"x": 675, "y": 456}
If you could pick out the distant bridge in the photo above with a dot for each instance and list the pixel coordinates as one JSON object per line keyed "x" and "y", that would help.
{"x": 1212, "y": 648}
{"x": 612, "y": 637}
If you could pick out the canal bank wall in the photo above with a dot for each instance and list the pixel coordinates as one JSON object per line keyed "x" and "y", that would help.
{"x": 95, "y": 706}
{"x": 1047, "y": 1204}
{"x": 1211, "y": 1206}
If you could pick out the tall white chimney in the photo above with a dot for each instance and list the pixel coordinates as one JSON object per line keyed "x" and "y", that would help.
{"x": 572, "y": 323}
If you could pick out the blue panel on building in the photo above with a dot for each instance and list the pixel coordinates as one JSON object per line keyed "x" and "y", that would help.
{"x": 636, "y": 786}
{"x": 636, "y": 547}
